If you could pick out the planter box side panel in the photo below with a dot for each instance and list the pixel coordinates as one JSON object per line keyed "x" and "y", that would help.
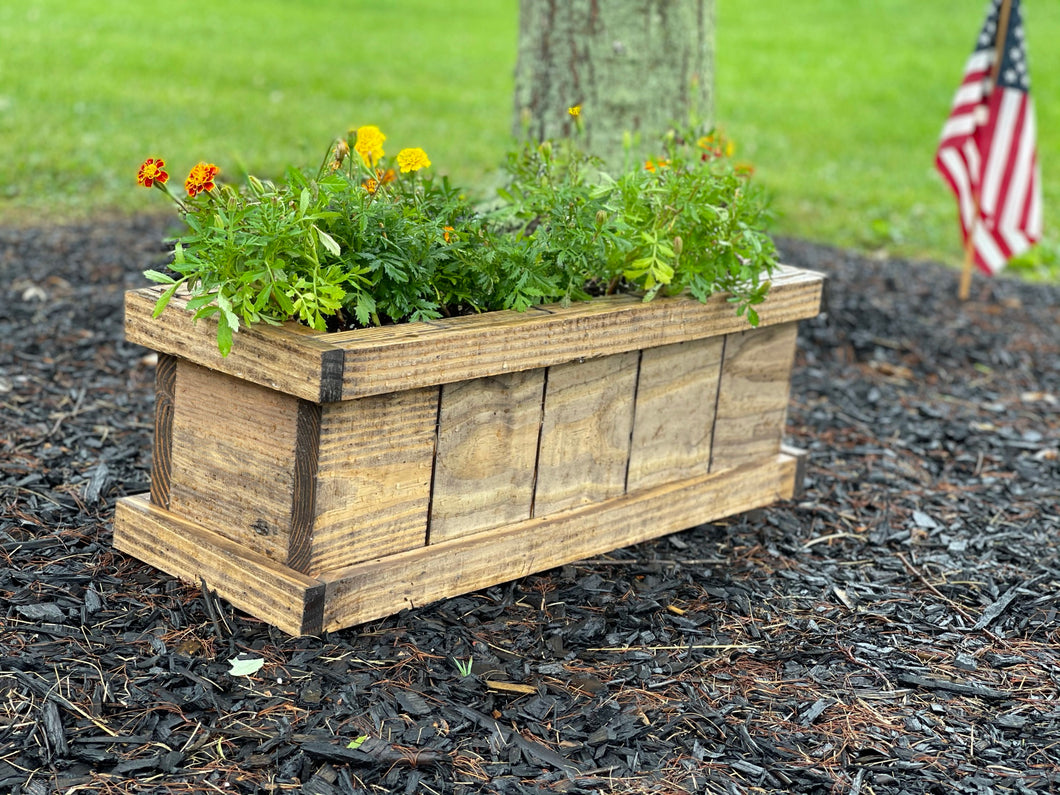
{"x": 585, "y": 434}
{"x": 676, "y": 398}
{"x": 373, "y": 477}
{"x": 488, "y": 430}
{"x": 753, "y": 395}
{"x": 234, "y": 456}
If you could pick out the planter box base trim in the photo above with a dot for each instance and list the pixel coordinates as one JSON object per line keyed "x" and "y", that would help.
{"x": 303, "y": 605}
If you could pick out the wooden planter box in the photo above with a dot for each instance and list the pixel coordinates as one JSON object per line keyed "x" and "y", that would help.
{"x": 319, "y": 481}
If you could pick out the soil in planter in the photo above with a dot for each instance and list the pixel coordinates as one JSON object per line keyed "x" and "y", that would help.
{"x": 895, "y": 630}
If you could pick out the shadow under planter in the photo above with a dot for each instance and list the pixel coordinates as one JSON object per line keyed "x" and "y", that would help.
{"x": 319, "y": 481}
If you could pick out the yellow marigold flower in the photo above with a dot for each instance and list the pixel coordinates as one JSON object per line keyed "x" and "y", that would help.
{"x": 201, "y": 178}
{"x": 705, "y": 142}
{"x": 152, "y": 171}
{"x": 412, "y": 160}
{"x": 730, "y": 148}
{"x": 371, "y": 185}
{"x": 575, "y": 111}
{"x": 369, "y": 143}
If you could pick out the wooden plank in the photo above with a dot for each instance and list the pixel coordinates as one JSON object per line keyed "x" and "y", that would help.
{"x": 585, "y": 432}
{"x": 162, "y": 448}
{"x": 461, "y": 348}
{"x": 373, "y": 477}
{"x": 382, "y": 587}
{"x": 290, "y": 358}
{"x": 272, "y": 592}
{"x": 352, "y": 364}
{"x": 234, "y": 456}
{"x": 676, "y": 395}
{"x": 753, "y": 395}
{"x": 488, "y": 430}
{"x": 801, "y": 459}
{"x": 304, "y": 487}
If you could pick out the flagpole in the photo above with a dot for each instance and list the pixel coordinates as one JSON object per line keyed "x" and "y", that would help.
{"x": 969, "y": 246}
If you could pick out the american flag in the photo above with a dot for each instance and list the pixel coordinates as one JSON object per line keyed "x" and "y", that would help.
{"x": 988, "y": 151}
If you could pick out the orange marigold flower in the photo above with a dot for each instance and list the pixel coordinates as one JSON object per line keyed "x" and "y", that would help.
{"x": 386, "y": 177}
{"x": 412, "y": 160}
{"x": 371, "y": 185}
{"x": 201, "y": 178}
{"x": 152, "y": 171}
{"x": 651, "y": 165}
{"x": 445, "y": 232}
{"x": 369, "y": 144}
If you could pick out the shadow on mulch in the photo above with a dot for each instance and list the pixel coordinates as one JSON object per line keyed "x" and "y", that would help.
{"x": 894, "y": 630}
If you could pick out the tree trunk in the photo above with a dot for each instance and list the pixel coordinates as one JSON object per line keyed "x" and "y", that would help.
{"x": 636, "y": 68}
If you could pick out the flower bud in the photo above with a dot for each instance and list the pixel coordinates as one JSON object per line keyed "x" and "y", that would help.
{"x": 679, "y": 245}
{"x": 601, "y": 217}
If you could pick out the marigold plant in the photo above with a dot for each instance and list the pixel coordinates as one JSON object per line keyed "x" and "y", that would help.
{"x": 369, "y": 240}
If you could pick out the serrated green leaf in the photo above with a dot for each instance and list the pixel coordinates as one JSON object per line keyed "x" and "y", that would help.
{"x": 224, "y": 334}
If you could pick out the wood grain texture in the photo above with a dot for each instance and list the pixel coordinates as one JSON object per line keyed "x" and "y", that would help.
{"x": 270, "y": 591}
{"x": 585, "y": 432}
{"x": 461, "y": 348}
{"x": 676, "y": 395}
{"x": 753, "y": 395}
{"x": 289, "y": 358}
{"x": 384, "y": 586}
{"x": 304, "y": 487}
{"x": 235, "y": 448}
{"x": 373, "y": 477}
{"x": 352, "y": 364}
{"x": 488, "y": 430}
{"x": 162, "y": 448}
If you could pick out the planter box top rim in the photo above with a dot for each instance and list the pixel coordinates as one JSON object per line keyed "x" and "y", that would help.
{"x": 324, "y": 367}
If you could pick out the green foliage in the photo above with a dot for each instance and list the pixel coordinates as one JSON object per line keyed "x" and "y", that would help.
{"x": 367, "y": 240}
{"x": 687, "y": 221}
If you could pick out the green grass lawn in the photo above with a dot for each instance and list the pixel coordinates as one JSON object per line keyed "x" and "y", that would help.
{"x": 838, "y": 104}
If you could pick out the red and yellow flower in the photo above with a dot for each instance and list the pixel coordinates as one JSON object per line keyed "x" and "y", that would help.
{"x": 201, "y": 178}
{"x": 153, "y": 170}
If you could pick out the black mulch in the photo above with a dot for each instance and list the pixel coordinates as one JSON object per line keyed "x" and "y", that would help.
{"x": 894, "y": 630}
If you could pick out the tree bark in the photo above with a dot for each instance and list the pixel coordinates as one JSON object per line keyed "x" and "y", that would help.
{"x": 636, "y": 68}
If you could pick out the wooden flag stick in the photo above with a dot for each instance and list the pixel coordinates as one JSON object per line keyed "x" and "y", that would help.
{"x": 969, "y": 245}
{"x": 965, "y": 288}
